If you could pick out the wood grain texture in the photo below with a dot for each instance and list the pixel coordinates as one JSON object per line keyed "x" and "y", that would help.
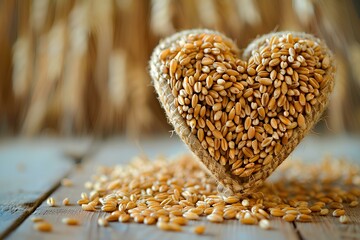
{"x": 120, "y": 151}
{"x": 330, "y": 228}
{"x": 30, "y": 171}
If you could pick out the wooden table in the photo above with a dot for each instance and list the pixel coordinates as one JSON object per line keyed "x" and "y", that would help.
{"x": 31, "y": 171}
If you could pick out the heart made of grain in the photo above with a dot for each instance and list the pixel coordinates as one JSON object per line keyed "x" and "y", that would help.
{"x": 242, "y": 118}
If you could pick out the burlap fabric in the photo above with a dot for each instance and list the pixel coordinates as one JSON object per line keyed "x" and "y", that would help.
{"x": 228, "y": 183}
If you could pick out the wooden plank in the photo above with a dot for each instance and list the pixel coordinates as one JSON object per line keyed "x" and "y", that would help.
{"x": 119, "y": 152}
{"x": 30, "y": 170}
{"x": 324, "y": 228}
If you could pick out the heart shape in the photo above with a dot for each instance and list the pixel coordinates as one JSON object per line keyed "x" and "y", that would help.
{"x": 242, "y": 118}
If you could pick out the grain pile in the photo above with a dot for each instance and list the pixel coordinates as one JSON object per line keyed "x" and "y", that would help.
{"x": 242, "y": 116}
{"x": 171, "y": 194}
{"x": 244, "y": 112}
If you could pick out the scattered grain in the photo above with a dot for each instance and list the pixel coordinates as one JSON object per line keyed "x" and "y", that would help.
{"x": 344, "y": 219}
{"x": 43, "y": 226}
{"x": 338, "y": 212}
{"x": 265, "y": 224}
{"x": 199, "y": 229}
{"x": 103, "y": 222}
{"x": 37, "y": 219}
{"x": 51, "y": 202}
{"x": 70, "y": 221}
{"x": 66, "y": 182}
{"x": 66, "y": 201}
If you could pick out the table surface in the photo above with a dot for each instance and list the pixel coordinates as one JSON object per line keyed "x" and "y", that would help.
{"x": 33, "y": 168}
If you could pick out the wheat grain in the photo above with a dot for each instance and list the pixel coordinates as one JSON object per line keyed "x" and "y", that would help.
{"x": 51, "y": 202}
{"x": 344, "y": 219}
{"x": 103, "y": 222}
{"x": 43, "y": 226}
{"x": 66, "y": 202}
{"x": 223, "y": 96}
{"x": 199, "y": 229}
{"x": 180, "y": 191}
{"x": 70, "y": 221}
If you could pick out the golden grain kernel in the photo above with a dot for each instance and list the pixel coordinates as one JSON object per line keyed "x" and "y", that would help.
{"x": 354, "y": 203}
{"x": 139, "y": 219}
{"x": 289, "y": 217}
{"x": 265, "y": 224}
{"x": 179, "y": 220}
{"x": 83, "y": 201}
{"x": 66, "y": 201}
{"x": 70, "y": 221}
{"x": 124, "y": 218}
{"x": 66, "y": 182}
{"x": 303, "y": 218}
{"x": 344, "y": 219}
{"x": 191, "y": 215}
{"x": 324, "y": 212}
{"x": 277, "y": 212}
{"x": 248, "y": 219}
{"x": 338, "y": 212}
{"x": 112, "y": 218}
{"x": 215, "y": 218}
{"x": 51, "y": 202}
{"x": 103, "y": 222}
{"x": 199, "y": 229}
{"x": 43, "y": 226}
{"x": 37, "y": 219}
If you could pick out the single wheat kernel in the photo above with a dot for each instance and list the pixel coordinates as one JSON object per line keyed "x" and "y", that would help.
{"x": 124, "y": 218}
{"x": 304, "y": 210}
{"x": 199, "y": 229}
{"x": 112, "y": 218}
{"x": 43, "y": 226}
{"x": 264, "y": 213}
{"x": 51, "y": 202}
{"x": 83, "y": 201}
{"x": 103, "y": 222}
{"x": 277, "y": 212}
{"x": 139, "y": 219}
{"x": 37, "y": 219}
{"x": 179, "y": 220}
{"x": 315, "y": 208}
{"x": 338, "y": 212}
{"x": 265, "y": 224}
{"x": 293, "y": 212}
{"x": 215, "y": 218}
{"x": 344, "y": 219}
{"x": 248, "y": 220}
{"x": 66, "y": 182}
{"x": 164, "y": 219}
{"x": 70, "y": 221}
{"x": 149, "y": 220}
{"x": 303, "y": 218}
{"x": 289, "y": 217}
{"x": 245, "y": 202}
{"x": 66, "y": 202}
{"x": 84, "y": 195}
{"x": 191, "y": 216}
{"x": 324, "y": 212}
{"x": 354, "y": 203}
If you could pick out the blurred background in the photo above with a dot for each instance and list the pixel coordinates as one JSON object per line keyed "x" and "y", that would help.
{"x": 80, "y": 67}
